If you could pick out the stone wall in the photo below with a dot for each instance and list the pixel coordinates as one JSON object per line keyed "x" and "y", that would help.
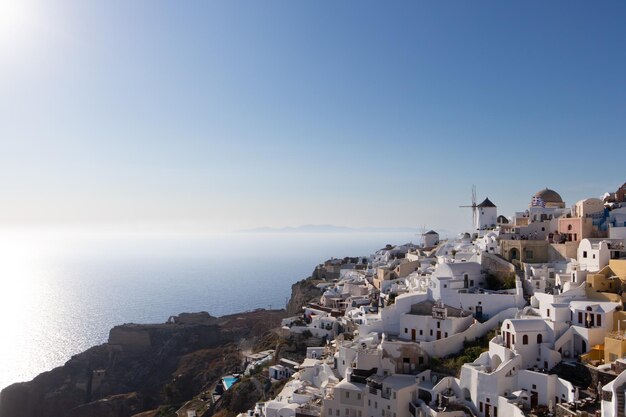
{"x": 497, "y": 266}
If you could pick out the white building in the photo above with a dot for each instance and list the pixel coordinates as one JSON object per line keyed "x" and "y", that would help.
{"x": 594, "y": 254}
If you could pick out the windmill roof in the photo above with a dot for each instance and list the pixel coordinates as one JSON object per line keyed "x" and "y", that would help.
{"x": 431, "y": 232}
{"x": 486, "y": 203}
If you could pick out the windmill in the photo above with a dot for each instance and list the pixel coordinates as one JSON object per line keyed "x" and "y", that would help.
{"x": 473, "y": 206}
{"x": 422, "y": 234}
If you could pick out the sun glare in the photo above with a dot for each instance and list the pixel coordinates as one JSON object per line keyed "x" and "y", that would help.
{"x": 15, "y": 18}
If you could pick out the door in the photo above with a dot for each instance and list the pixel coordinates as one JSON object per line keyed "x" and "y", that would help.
{"x": 413, "y": 334}
{"x": 479, "y": 312}
{"x": 487, "y": 410}
{"x": 508, "y": 340}
{"x": 438, "y": 334}
{"x": 534, "y": 399}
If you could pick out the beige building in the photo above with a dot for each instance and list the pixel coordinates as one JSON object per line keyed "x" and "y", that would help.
{"x": 589, "y": 207}
{"x": 531, "y": 251}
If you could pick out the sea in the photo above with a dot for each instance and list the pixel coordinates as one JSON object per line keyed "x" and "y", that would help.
{"x": 61, "y": 293}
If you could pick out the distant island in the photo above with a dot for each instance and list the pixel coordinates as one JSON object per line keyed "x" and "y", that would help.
{"x": 329, "y": 228}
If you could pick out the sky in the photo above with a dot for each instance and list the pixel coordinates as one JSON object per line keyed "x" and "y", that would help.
{"x": 227, "y": 115}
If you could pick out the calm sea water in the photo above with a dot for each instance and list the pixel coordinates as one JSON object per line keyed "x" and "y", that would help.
{"x": 59, "y": 295}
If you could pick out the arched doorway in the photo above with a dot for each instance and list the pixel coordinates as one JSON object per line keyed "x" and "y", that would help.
{"x": 514, "y": 254}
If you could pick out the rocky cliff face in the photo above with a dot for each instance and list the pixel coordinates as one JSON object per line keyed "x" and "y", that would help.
{"x": 302, "y": 292}
{"x": 140, "y": 368}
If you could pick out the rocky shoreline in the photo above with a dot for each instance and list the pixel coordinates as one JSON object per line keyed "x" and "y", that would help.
{"x": 149, "y": 369}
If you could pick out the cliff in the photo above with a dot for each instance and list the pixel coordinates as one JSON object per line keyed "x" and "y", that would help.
{"x": 140, "y": 368}
{"x": 304, "y": 291}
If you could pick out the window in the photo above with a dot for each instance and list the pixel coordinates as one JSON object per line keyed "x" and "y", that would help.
{"x": 539, "y": 338}
{"x": 330, "y": 411}
{"x": 406, "y": 330}
{"x": 548, "y": 312}
{"x": 446, "y": 334}
{"x": 594, "y": 256}
{"x": 525, "y": 339}
{"x": 580, "y": 317}
{"x": 439, "y": 325}
{"x": 347, "y": 394}
{"x": 584, "y": 254}
{"x": 599, "y": 320}
{"x": 480, "y": 407}
{"x": 534, "y": 386}
{"x": 421, "y": 332}
{"x": 431, "y": 332}
{"x": 358, "y": 396}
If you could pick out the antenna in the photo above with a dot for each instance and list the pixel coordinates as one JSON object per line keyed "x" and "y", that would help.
{"x": 473, "y": 206}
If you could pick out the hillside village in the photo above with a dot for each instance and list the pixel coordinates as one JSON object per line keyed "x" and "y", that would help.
{"x": 530, "y": 308}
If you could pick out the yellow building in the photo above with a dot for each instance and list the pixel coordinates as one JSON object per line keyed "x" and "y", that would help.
{"x": 618, "y": 266}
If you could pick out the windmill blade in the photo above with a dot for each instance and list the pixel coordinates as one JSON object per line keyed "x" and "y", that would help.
{"x": 473, "y": 195}
{"x": 474, "y": 216}
{"x": 474, "y": 208}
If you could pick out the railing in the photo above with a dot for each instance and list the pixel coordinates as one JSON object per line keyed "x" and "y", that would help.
{"x": 412, "y": 409}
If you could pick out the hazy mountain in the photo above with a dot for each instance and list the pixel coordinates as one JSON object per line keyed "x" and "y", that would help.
{"x": 329, "y": 228}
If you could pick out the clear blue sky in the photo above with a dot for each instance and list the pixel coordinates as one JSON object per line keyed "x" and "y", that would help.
{"x": 224, "y": 115}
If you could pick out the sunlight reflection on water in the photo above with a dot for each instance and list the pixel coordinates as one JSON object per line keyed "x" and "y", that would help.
{"x": 61, "y": 295}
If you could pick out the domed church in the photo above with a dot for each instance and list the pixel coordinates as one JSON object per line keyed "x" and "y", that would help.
{"x": 547, "y": 198}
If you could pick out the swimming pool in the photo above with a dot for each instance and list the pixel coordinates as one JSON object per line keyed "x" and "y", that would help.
{"x": 228, "y": 381}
